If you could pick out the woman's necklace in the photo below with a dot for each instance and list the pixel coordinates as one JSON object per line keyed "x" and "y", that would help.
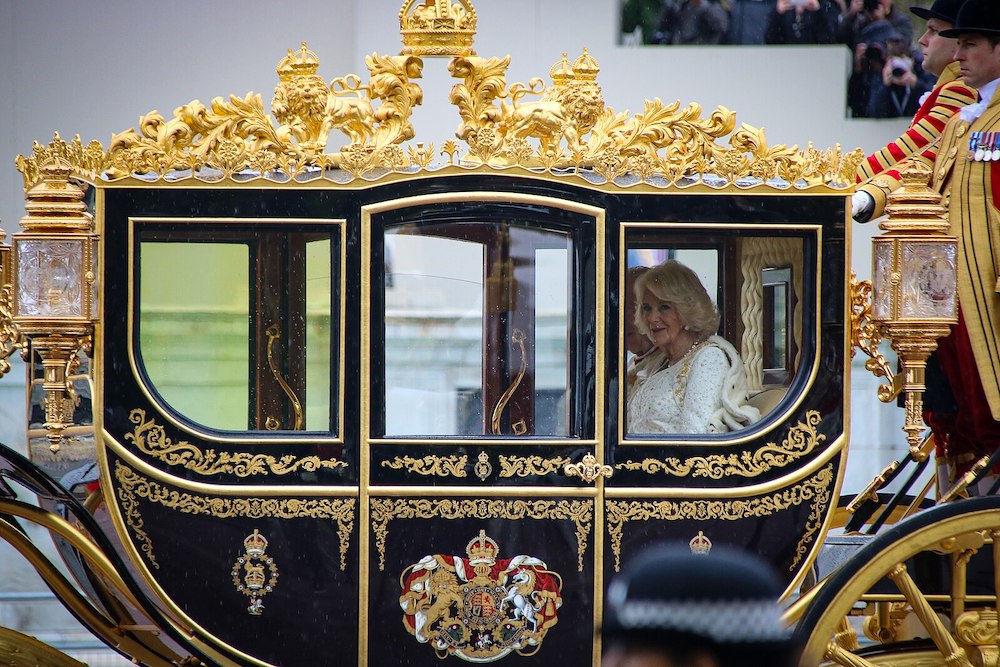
{"x": 684, "y": 356}
{"x": 680, "y": 382}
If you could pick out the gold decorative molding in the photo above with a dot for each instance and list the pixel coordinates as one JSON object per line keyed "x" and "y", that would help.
{"x": 815, "y": 490}
{"x": 563, "y": 129}
{"x": 11, "y": 338}
{"x": 151, "y": 439}
{"x": 588, "y": 469}
{"x": 802, "y": 439}
{"x": 431, "y": 465}
{"x": 527, "y": 466}
{"x": 385, "y": 510}
{"x": 865, "y": 336}
{"x": 132, "y": 486}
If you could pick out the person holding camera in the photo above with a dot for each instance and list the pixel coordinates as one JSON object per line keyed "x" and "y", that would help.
{"x": 949, "y": 95}
{"x": 900, "y": 92}
{"x": 871, "y": 58}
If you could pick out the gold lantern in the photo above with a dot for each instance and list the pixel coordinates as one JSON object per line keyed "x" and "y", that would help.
{"x": 54, "y": 300}
{"x": 914, "y": 278}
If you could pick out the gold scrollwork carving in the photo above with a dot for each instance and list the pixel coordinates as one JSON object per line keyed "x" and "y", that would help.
{"x": 557, "y": 127}
{"x": 133, "y": 486}
{"x": 802, "y": 439}
{"x": 11, "y": 338}
{"x": 865, "y": 336}
{"x": 815, "y": 490}
{"x": 385, "y": 510}
{"x": 527, "y": 466}
{"x": 441, "y": 466}
{"x": 151, "y": 438}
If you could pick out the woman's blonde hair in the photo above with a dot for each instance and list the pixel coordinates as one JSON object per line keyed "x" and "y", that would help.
{"x": 680, "y": 287}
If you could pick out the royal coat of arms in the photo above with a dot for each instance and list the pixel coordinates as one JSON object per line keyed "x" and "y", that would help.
{"x": 480, "y": 608}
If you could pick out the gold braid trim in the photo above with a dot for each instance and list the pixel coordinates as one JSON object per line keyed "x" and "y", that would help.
{"x": 133, "y": 486}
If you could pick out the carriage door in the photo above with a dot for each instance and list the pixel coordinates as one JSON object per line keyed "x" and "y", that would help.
{"x": 479, "y": 346}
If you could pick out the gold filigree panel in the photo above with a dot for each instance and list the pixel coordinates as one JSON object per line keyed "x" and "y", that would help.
{"x": 802, "y": 439}
{"x": 528, "y": 466}
{"x": 430, "y": 465}
{"x": 132, "y": 487}
{"x": 816, "y": 491}
{"x": 386, "y": 510}
{"x": 151, "y": 439}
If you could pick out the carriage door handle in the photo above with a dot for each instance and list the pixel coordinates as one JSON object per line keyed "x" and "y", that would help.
{"x": 519, "y": 427}
{"x": 274, "y": 333}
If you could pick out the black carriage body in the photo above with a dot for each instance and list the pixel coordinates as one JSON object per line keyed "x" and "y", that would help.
{"x": 352, "y": 501}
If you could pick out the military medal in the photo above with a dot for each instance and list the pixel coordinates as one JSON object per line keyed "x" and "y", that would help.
{"x": 995, "y": 145}
{"x": 987, "y": 147}
{"x": 973, "y": 140}
{"x": 980, "y": 149}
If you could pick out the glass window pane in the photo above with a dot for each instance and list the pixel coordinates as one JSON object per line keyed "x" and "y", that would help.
{"x": 433, "y": 332}
{"x": 477, "y": 322}
{"x": 552, "y": 351}
{"x": 194, "y": 326}
{"x": 319, "y": 307}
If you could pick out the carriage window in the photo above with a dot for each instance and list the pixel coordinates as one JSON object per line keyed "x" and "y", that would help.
{"x": 195, "y": 325}
{"x": 718, "y": 334}
{"x": 254, "y": 310}
{"x": 477, "y": 320}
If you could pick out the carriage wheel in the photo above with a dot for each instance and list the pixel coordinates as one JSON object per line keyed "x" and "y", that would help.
{"x": 958, "y": 528}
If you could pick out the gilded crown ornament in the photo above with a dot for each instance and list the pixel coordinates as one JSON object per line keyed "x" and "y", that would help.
{"x": 254, "y": 573}
{"x": 700, "y": 544}
{"x": 255, "y": 543}
{"x": 482, "y": 549}
{"x": 437, "y": 28}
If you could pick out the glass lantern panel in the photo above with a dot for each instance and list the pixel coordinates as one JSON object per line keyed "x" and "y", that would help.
{"x": 881, "y": 281}
{"x": 928, "y": 280}
{"x": 50, "y": 278}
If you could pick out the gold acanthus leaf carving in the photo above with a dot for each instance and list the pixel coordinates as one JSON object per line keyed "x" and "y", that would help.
{"x": 865, "y": 336}
{"x": 11, "y": 338}
{"x": 151, "y": 439}
{"x": 132, "y": 486}
{"x": 385, "y": 510}
{"x": 441, "y": 466}
{"x": 815, "y": 489}
{"x": 552, "y": 128}
{"x": 802, "y": 438}
{"x": 235, "y": 135}
{"x": 526, "y": 466}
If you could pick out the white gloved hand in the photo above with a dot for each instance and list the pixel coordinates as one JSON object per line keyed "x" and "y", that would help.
{"x": 862, "y": 206}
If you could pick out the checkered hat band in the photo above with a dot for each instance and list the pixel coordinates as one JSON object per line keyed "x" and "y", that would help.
{"x": 725, "y": 622}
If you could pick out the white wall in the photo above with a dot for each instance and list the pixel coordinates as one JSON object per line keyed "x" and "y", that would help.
{"x": 93, "y": 68}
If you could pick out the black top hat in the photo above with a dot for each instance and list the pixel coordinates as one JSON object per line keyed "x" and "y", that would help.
{"x": 668, "y": 595}
{"x": 946, "y": 10}
{"x": 979, "y": 16}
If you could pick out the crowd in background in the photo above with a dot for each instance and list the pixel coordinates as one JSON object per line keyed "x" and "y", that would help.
{"x": 887, "y": 78}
